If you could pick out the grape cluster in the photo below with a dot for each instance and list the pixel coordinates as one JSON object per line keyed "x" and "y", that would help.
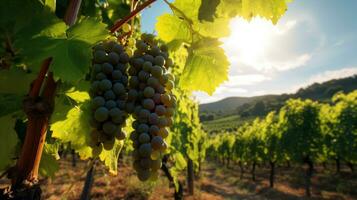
{"x": 108, "y": 93}
{"x": 151, "y": 103}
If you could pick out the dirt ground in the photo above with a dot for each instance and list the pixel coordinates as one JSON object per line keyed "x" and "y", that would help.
{"x": 215, "y": 183}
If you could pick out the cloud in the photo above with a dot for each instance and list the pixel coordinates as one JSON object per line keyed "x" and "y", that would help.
{"x": 246, "y": 79}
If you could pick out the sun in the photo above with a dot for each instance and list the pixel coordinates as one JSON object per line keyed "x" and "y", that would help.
{"x": 249, "y": 40}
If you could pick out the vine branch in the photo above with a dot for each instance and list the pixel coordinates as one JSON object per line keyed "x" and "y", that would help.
{"x": 117, "y": 25}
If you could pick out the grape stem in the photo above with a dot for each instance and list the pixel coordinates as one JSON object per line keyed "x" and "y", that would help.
{"x": 118, "y": 24}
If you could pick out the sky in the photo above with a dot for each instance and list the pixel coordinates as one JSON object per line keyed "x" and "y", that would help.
{"x": 314, "y": 41}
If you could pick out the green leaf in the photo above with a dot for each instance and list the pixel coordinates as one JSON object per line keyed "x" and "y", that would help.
{"x": 88, "y": 30}
{"x": 8, "y": 147}
{"x": 73, "y": 127}
{"x": 8, "y": 78}
{"x": 78, "y": 96}
{"x": 110, "y": 158}
{"x": 217, "y": 29}
{"x": 206, "y": 67}
{"x": 170, "y": 28}
{"x": 10, "y": 103}
{"x": 269, "y": 9}
{"x": 207, "y": 10}
{"x": 71, "y": 55}
{"x": 49, "y": 165}
{"x": 51, "y": 4}
{"x": 189, "y": 7}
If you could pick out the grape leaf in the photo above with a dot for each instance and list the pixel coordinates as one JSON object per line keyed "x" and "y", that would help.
{"x": 170, "y": 28}
{"x": 78, "y": 96}
{"x": 10, "y": 103}
{"x": 269, "y": 9}
{"x": 73, "y": 127}
{"x": 8, "y": 148}
{"x": 49, "y": 165}
{"x": 72, "y": 54}
{"x": 51, "y": 4}
{"x": 207, "y": 10}
{"x": 18, "y": 76}
{"x": 206, "y": 67}
{"x": 110, "y": 158}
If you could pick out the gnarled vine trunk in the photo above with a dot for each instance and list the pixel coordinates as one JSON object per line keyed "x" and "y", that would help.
{"x": 190, "y": 176}
{"x": 272, "y": 173}
{"x": 178, "y": 195}
{"x": 309, "y": 173}
{"x": 253, "y": 170}
{"x": 338, "y": 165}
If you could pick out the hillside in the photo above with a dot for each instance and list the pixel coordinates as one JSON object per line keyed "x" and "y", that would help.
{"x": 245, "y": 108}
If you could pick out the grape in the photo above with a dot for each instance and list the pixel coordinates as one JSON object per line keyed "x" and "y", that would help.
{"x": 120, "y": 135}
{"x": 143, "y": 76}
{"x": 156, "y": 71}
{"x": 169, "y": 85}
{"x": 123, "y": 58}
{"x": 137, "y": 63}
{"x": 159, "y": 60}
{"x": 149, "y": 92}
{"x": 100, "y": 56}
{"x": 153, "y": 82}
{"x": 144, "y": 175}
{"x": 148, "y": 57}
{"x": 141, "y": 46}
{"x": 118, "y": 89}
{"x": 147, "y": 66}
{"x": 155, "y": 155}
{"x": 101, "y": 114}
{"x": 115, "y": 112}
{"x": 164, "y": 79}
{"x": 169, "y": 63}
{"x": 121, "y": 104}
{"x": 107, "y": 68}
{"x": 144, "y": 114}
{"x": 131, "y": 42}
{"x": 144, "y": 138}
{"x": 132, "y": 94}
{"x": 109, "y": 128}
{"x": 165, "y": 99}
{"x": 148, "y": 104}
{"x": 98, "y": 101}
{"x": 160, "y": 110}
{"x": 109, "y": 94}
{"x": 143, "y": 128}
{"x": 145, "y": 150}
{"x": 169, "y": 121}
{"x": 154, "y": 119}
{"x": 113, "y": 58}
{"x": 156, "y": 98}
{"x": 116, "y": 75}
{"x": 108, "y": 144}
{"x": 118, "y": 49}
{"x": 110, "y": 104}
{"x": 134, "y": 135}
{"x": 100, "y": 76}
{"x": 126, "y": 28}
{"x": 157, "y": 142}
{"x": 162, "y": 122}
{"x": 105, "y": 84}
{"x": 155, "y": 51}
{"x": 154, "y": 130}
{"x": 163, "y": 132}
